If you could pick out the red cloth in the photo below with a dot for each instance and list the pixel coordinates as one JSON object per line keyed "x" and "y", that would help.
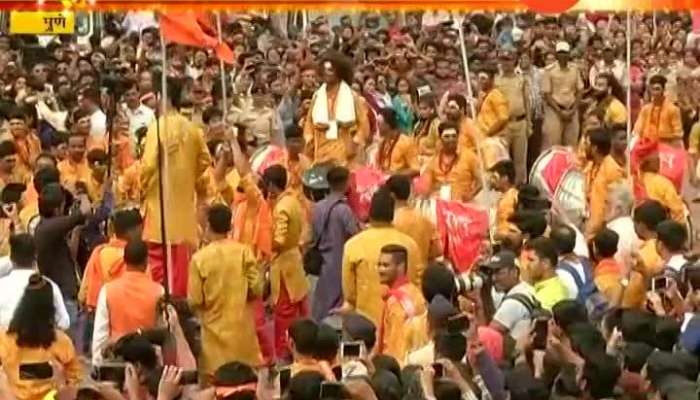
{"x": 463, "y": 228}
{"x": 641, "y": 150}
{"x": 556, "y": 168}
{"x": 185, "y": 28}
{"x": 178, "y": 272}
{"x": 364, "y": 181}
{"x": 285, "y": 313}
{"x": 672, "y": 164}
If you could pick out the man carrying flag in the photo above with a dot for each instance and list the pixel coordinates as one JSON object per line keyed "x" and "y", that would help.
{"x": 185, "y": 160}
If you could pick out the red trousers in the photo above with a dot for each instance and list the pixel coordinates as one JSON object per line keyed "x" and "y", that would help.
{"x": 177, "y": 272}
{"x": 285, "y": 313}
{"x": 264, "y": 340}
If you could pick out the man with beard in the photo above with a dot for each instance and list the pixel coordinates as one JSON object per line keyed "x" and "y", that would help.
{"x": 456, "y": 113}
{"x": 660, "y": 119}
{"x": 425, "y": 132}
{"x": 607, "y": 105}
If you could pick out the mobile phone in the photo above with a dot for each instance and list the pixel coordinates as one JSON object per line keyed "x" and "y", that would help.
{"x": 539, "y": 342}
{"x": 110, "y": 372}
{"x": 35, "y": 371}
{"x": 351, "y": 349}
{"x": 691, "y": 277}
{"x": 659, "y": 283}
{"x": 331, "y": 391}
{"x": 285, "y": 375}
{"x": 439, "y": 370}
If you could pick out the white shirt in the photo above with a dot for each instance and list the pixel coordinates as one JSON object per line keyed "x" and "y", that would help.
{"x": 12, "y": 289}
{"x": 98, "y": 123}
{"x": 629, "y": 241}
{"x": 5, "y": 266}
{"x": 141, "y": 117}
{"x": 676, "y": 262}
{"x": 581, "y": 248}
{"x": 137, "y": 21}
{"x": 423, "y": 356}
{"x": 512, "y": 313}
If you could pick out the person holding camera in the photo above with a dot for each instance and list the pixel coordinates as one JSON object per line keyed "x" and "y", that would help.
{"x": 514, "y": 313}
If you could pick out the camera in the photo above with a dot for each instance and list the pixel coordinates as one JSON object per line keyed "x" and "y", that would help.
{"x": 470, "y": 281}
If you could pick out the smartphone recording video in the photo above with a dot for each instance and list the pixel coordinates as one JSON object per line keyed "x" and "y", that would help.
{"x": 331, "y": 391}
{"x": 351, "y": 349}
{"x": 659, "y": 283}
{"x": 35, "y": 371}
{"x": 539, "y": 342}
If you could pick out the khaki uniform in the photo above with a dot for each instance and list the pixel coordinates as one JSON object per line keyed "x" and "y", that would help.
{"x": 514, "y": 88}
{"x": 562, "y": 85}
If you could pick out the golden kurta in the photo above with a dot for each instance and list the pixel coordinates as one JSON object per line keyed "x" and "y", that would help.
{"x": 396, "y": 155}
{"x": 609, "y": 173}
{"x": 287, "y": 225}
{"x": 361, "y": 287}
{"x": 223, "y": 276}
{"x": 661, "y": 189}
{"x": 422, "y": 230}
{"x": 187, "y": 160}
{"x": 462, "y": 175}
{"x": 505, "y": 208}
{"x": 72, "y": 172}
{"x": 659, "y": 122}
{"x": 399, "y": 311}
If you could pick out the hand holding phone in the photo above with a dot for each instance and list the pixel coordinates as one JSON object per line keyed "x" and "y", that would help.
{"x": 659, "y": 283}
{"x": 539, "y": 342}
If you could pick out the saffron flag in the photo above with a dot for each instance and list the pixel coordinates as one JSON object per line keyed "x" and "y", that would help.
{"x": 188, "y": 28}
{"x": 463, "y": 228}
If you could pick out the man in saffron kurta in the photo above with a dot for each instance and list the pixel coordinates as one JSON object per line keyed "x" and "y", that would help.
{"x": 660, "y": 119}
{"x": 646, "y": 217}
{"x": 397, "y": 153}
{"x": 9, "y": 171}
{"x": 494, "y": 112}
{"x": 27, "y": 143}
{"x": 608, "y": 274}
{"x": 653, "y": 185}
{"x": 289, "y": 287}
{"x": 74, "y": 168}
{"x": 106, "y": 262}
{"x": 127, "y": 303}
{"x": 503, "y": 180}
{"x": 186, "y": 159}
{"x": 603, "y": 172}
{"x": 337, "y": 123}
{"x": 403, "y": 302}
{"x": 224, "y": 278}
{"x": 361, "y": 288}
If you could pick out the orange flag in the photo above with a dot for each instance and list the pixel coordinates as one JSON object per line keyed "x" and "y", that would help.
{"x": 185, "y": 28}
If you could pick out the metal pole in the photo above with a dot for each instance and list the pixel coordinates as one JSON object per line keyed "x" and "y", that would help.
{"x": 629, "y": 92}
{"x": 162, "y": 169}
{"x": 221, "y": 67}
{"x": 304, "y": 22}
{"x": 463, "y": 48}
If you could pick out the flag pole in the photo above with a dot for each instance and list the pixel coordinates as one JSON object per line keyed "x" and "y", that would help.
{"x": 629, "y": 88}
{"x": 162, "y": 168}
{"x": 222, "y": 68}
{"x": 467, "y": 77}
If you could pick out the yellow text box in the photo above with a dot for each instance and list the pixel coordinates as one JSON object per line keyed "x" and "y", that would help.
{"x": 42, "y": 22}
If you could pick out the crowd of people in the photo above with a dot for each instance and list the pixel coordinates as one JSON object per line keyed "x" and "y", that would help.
{"x": 191, "y": 229}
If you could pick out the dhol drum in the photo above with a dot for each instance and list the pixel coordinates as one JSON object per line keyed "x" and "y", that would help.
{"x": 550, "y": 167}
{"x": 266, "y": 156}
{"x": 570, "y": 197}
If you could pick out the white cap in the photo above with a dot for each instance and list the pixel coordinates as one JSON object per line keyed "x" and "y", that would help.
{"x": 563, "y": 47}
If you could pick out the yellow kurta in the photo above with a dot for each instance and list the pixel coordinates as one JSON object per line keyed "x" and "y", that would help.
{"x": 659, "y": 122}
{"x": 661, "y": 189}
{"x": 427, "y": 140}
{"x": 422, "y": 230}
{"x": 321, "y": 149}
{"x": 398, "y": 313}
{"x": 650, "y": 263}
{"x": 187, "y": 160}
{"x": 72, "y": 172}
{"x": 361, "y": 287}
{"x": 287, "y": 224}
{"x": 607, "y": 277}
{"x": 462, "y": 177}
{"x": 609, "y": 173}
{"x": 505, "y": 209}
{"x": 401, "y": 156}
{"x": 222, "y": 191}
{"x": 223, "y": 276}
{"x": 129, "y": 186}
{"x": 18, "y": 175}
{"x": 468, "y": 135}
{"x": 493, "y": 110}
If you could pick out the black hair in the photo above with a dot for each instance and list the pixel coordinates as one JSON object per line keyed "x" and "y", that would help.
{"x": 136, "y": 254}
{"x": 44, "y": 176}
{"x": 7, "y": 148}
{"x": 367, "y": 333}
{"x": 303, "y": 332}
{"x": 123, "y": 221}
{"x": 545, "y": 249}
{"x": 635, "y": 356}
{"x": 667, "y": 332}
{"x": 33, "y": 321}
{"x": 276, "y": 175}
{"x": 532, "y": 223}
{"x": 327, "y": 343}
{"x": 399, "y": 254}
{"x": 305, "y": 385}
{"x": 600, "y": 139}
{"x": 450, "y": 345}
{"x": 381, "y": 208}
{"x": 387, "y": 363}
{"x": 446, "y": 126}
{"x": 50, "y": 198}
{"x": 650, "y": 213}
{"x": 605, "y": 243}
{"x": 459, "y": 99}
{"x": 568, "y": 312}
{"x": 564, "y": 237}
{"x": 400, "y": 186}
{"x": 386, "y": 385}
{"x": 234, "y": 374}
{"x": 337, "y": 177}
{"x": 293, "y": 131}
{"x": 638, "y": 326}
{"x": 505, "y": 168}
{"x": 22, "y": 249}
{"x": 136, "y": 349}
{"x": 658, "y": 80}
{"x": 211, "y": 113}
{"x": 12, "y": 193}
{"x": 601, "y": 373}
{"x": 437, "y": 279}
{"x": 219, "y": 218}
{"x": 55, "y": 140}
{"x": 389, "y": 117}
{"x": 97, "y": 155}
{"x": 447, "y": 390}
{"x": 341, "y": 64}
{"x": 672, "y": 235}
{"x": 585, "y": 338}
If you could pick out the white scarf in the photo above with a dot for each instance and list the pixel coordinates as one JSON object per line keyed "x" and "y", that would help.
{"x": 344, "y": 106}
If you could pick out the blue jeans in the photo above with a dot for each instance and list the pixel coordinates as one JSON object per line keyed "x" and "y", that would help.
{"x": 74, "y": 331}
